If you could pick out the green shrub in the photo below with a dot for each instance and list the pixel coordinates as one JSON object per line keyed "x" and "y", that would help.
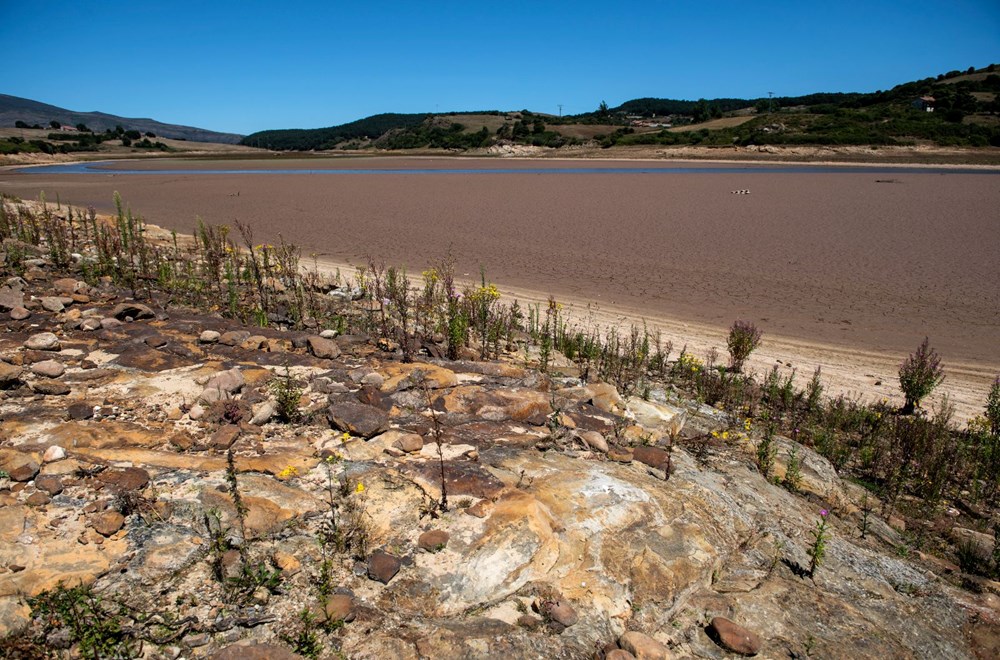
{"x": 919, "y": 375}
{"x": 744, "y": 338}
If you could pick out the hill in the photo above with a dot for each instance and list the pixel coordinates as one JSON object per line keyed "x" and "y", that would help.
{"x": 14, "y": 109}
{"x": 952, "y": 109}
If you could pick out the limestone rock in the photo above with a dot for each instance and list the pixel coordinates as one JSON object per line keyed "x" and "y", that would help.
{"x": 383, "y": 566}
{"x": 643, "y": 647}
{"x": 734, "y": 637}
{"x": 43, "y": 341}
{"x": 323, "y": 348}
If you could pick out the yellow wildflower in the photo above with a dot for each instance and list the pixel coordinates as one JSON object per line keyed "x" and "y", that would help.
{"x": 288, "y": 472}
{"x": 345, "y": 436}
{"x": 360, "y": 488}
{"x": 725, "y": 435}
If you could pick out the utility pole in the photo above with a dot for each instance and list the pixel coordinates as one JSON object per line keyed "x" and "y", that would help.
{"x": 770, "y": 107}
{"x": 560, "y": 108}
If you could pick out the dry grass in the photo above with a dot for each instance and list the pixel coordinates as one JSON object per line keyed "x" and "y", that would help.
{"x": 713, "y": 124}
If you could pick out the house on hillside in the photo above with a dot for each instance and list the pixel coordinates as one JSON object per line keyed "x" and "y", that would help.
{"x": 925, "y": 103}
{"x": 68, "y": 129}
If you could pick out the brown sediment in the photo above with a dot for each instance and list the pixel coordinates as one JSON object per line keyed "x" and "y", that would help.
{"x": 852, "y": 268}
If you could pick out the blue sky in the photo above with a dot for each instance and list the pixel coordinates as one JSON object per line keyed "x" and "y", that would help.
{"x": 250, "y": 65}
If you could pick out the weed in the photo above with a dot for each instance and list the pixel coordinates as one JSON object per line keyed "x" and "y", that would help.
{"x": 919, "y": 375}
{"x": 287, "y": 392}
{"x": 817, "y": 551}
{"x": 302, "y": 635}
{"x": 766, "y": 451}
{"x": 793, "y": 471}
{"x": 744, "y": 338}
{"x": 96, "y": 625}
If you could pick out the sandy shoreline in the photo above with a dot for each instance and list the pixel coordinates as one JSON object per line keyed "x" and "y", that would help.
{"x": 845, "y": 271}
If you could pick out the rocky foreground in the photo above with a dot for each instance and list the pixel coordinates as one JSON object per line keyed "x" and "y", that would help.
{"x": 433, "y": 509}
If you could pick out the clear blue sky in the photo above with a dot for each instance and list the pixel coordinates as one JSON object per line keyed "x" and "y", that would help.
{"x": 250, "y": 65}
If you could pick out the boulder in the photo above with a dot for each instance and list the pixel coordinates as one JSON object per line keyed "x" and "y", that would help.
{"x": 43, "y": 341}
{"x": 643, "y": 647}
{"x": 132, "y": 310}
{"x": 323, "y": 348}
{"x": 357, "y": 418}
{"x": 734, "y": 637}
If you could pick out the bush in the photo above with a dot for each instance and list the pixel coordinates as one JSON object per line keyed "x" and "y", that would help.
{"x": 744, "y": 338}
{"x": 919, "y": 375}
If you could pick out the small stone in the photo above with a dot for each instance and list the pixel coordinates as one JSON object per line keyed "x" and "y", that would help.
{"x": 734, "y": 637}
{"x": 108, "y": 522}
{"x": 263, "y": 412}
{"x": 328, "y": 334}
{"x": 229, "y": 381}
{"x": 340, "y": 607}
{"x": 560, "y": 611}
{"x": 110, "y": 324}
{"x": 51, "y": 484}
{"x": 155, "y": 341}
{"x": 174, "y": 413}
{"x": 374, "y": 379}
{"x": 383, "y": 567}
{"x": 410, "y": 443}
{"x": 67, "y": 285}
{"x": 434, "y": 540}
{"x": 53, "y": 454}
{"x": 52, "y": 304}
{"x": 288, "y": 564}
{"x": 19, "y": 314}
{"x": 196, "y": 412}
{"x": 182, "y": 441}
{"x": 394, "y": 452}
{"x": 653, "y": 457}
{"x": 357, "y": 419}
{"x": 43, "y": 341}
{"x": 643, "y": 647}
{"x": 528, "y": 621}
{"x": 323, "y": 348}
{"x": 80, "y": 410}
{"x": 38, "y": 498}
{"x": 48, "y": 368}
{"x": 90, "y": 324}
{"x": 209, "y": 337}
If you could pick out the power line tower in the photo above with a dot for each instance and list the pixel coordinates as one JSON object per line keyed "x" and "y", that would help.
{"x": 560, "y": 108}
{"x": 770, "y": 105}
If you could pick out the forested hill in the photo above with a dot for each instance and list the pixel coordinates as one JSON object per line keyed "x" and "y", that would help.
{"x": 958, "y": 108}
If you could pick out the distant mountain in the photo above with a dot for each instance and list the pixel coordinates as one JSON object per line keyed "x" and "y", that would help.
{"x": 14, "y": 109}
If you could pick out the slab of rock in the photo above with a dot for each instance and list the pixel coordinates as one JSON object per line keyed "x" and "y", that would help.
{"x": 134, "y": 311}
{"x": 107, "y": 523}
{"x": 357, "y": 418}
{"x": 38, "y": 498}
{"x": 383, "y": 567}
{"x": 433, "y": 540}
{"x": 251, "y": 651}
{"x": 643, "y": 647}
{"x": 52, "y": 304}
{"x": 10, "y": 376}
{"x": 43, "y": 341}
{"x": 734, "y": 637}
{"x": 323, "y": 348}
{"x": 48, "y": 368}
{"x": 127, "y": 479}
{"x": 50, "y": 387}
